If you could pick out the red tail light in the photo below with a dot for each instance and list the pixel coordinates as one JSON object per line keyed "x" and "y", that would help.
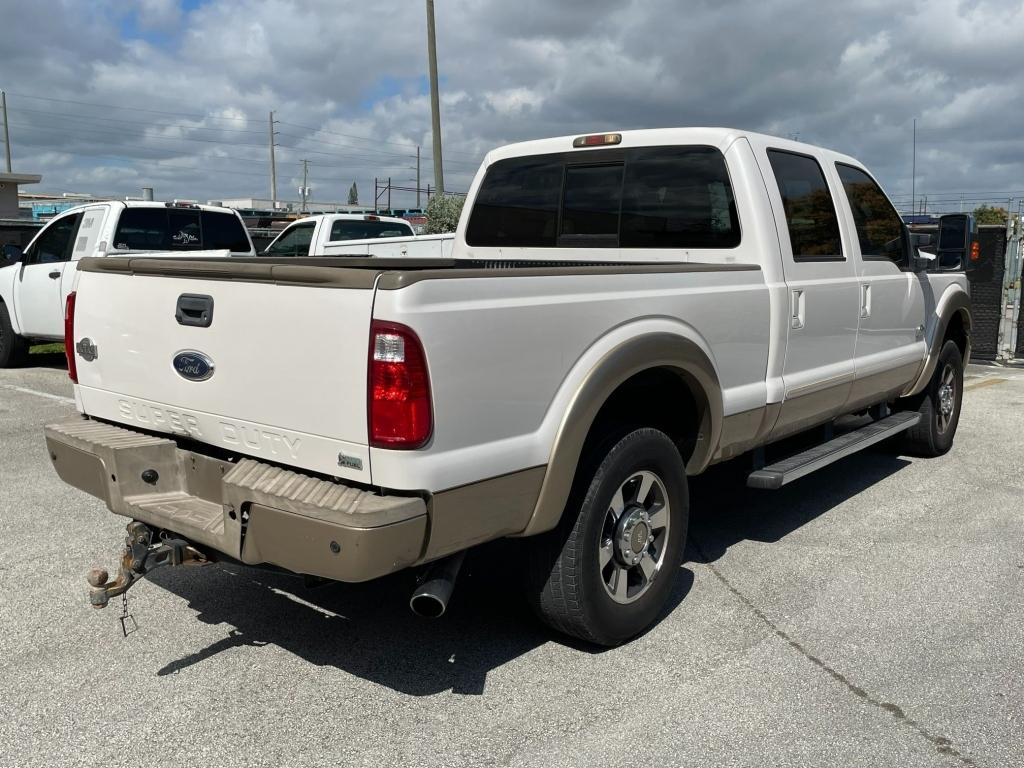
{"x": 69, "y": 336}
{"x": 399, "y": 407}
{"x": 975, "y": 251}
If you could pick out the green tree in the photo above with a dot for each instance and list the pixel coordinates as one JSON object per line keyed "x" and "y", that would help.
{"x": 443, "y": 213}
{"x": 985, "y": 214}
{"x": 353, "y": 195}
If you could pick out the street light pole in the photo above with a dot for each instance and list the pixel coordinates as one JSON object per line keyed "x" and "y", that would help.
{"x": 273, "y": 166}
{"x": 913, "y": 174}
{"x": 435, "y": 105}
{"x": 305, "y": 181}
{"x": 7, "y": 135}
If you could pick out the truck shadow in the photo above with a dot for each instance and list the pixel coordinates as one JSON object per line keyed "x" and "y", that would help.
{"x": 368, "y": 631}
{"x": 53, "y": 360}
{"x": 723, "y": 511}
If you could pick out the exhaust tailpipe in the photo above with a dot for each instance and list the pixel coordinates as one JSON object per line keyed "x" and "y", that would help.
{"x": 431, "y": 596}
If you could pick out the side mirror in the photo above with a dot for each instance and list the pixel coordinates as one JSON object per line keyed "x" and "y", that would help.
{"x": 12, "y": 254}
{"x": 958, "y": 243}
{"x": 920, "y": 240}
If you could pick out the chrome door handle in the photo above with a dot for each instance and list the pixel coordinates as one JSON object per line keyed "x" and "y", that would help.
{"x": 55, "y": 274}
{"x": 797, "y": 318}
{"x": 865, "y": 301}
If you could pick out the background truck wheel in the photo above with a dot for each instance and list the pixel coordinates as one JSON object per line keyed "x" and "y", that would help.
{"x": 606, "y": 571}
{"x": 13, "y": 348}
{"x": 939, "y": 406}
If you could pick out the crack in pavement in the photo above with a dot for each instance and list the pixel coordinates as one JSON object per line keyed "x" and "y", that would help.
{"x": 942, "y": 745}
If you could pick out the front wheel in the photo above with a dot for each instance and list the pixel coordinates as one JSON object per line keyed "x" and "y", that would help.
{"x": 13, "y": 348}
{"x": 605, "y": 573}
{"x": 939, "y": 406}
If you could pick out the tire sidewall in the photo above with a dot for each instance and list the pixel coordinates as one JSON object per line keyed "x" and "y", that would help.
{"x": 643, "y": 449}
{"x": 949, "y": 355}
{"x": 9, "y": 342}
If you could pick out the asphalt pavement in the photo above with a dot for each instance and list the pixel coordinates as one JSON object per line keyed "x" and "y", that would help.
{"x": 870, "y": 614}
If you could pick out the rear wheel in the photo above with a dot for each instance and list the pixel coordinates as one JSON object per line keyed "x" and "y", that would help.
{"x": 13, "y": 348}
{"x": 606, "y": 572}
{"x": 939, "y": 406}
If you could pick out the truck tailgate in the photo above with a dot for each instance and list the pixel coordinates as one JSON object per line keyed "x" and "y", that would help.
{"x": 288, "y": 356}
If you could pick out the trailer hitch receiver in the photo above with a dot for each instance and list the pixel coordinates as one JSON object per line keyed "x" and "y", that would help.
{"x": 140, "y": 556}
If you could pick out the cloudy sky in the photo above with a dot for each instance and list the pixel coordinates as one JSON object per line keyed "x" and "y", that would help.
{"x": 106, "y": 97}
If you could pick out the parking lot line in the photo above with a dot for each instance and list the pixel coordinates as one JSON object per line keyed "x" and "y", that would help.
{"x": 47, "y": 395}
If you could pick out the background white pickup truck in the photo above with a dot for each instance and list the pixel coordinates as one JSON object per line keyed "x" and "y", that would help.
{"x": 622, "y": 310}
{"x": 34, "y": 284}
{"x": 341, "y": 234}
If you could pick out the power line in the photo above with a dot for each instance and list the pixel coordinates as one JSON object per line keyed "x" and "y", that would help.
{"x": 122, "y": 121}
{"x": 118, "y": 139}
{"x": 130, "y": 109}
{"x": 199, "y": 116}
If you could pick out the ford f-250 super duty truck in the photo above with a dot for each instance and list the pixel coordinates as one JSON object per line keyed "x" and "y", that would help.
{"x": 34, "y": 284}
{"x": 622, "y": 311}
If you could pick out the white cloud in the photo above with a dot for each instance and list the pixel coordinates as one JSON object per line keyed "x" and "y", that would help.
{"x": 851, "y": 77}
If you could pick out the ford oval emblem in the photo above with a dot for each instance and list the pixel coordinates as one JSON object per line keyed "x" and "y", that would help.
{"x": 192, "y": 365}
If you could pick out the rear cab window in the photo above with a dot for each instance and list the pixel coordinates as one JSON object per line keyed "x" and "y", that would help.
{"x": 179, "y": 229}
{"x": 643, "y": 197}
{"x": 367, "y": 229}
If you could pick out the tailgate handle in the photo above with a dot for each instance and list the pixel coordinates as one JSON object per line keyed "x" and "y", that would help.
{"x": 194, "y": 309}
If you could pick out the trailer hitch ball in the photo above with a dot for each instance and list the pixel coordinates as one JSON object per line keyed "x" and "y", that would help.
{"x": 140, "y": 556}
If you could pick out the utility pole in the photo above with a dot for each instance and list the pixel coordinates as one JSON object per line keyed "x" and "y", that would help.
{"x": 273, "y": 165}
{"x": 913, "y": 173}
{"x": 435, "y": 104}
{"x": 417, "y": 175}
{"x": 305, "y": 180}
{"x": 7, "y": 136}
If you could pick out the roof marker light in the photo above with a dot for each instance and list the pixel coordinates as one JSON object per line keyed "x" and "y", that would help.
{"x": 597, "y": 140}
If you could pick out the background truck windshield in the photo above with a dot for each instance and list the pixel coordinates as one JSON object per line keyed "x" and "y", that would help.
{"x": 179, "y": 229}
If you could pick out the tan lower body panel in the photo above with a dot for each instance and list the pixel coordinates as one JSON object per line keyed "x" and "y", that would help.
{"x": 472, "y": 514}
{"x": 881, "y": 386}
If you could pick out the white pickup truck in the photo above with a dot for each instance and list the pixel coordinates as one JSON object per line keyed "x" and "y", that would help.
{"x": 34, "y": 284}
{"x": 621, "y": 311}
{"x": 348, "y": 234}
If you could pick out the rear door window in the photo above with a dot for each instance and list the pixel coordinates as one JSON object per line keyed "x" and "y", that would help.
{"x": 648, "y": 197}
{"x": 810, "y": 212}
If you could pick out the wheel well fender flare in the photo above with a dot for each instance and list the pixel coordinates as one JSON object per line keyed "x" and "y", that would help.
{"x": 953, "y": 302}
{"x": 663, "y": 350}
